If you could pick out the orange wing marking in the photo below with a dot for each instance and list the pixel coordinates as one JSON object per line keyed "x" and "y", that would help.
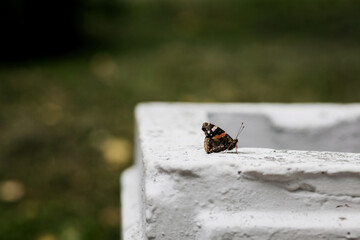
{"x": 219, "y": 136}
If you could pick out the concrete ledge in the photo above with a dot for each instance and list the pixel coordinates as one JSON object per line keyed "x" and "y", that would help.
{"x": 259, "y": 193}
{"x": 131, "y": 205}
{"x": 280, "y": 225}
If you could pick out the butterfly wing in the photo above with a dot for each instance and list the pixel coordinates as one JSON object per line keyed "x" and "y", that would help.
{"x": 219, "y": 144}
{"x": 211, "y": 130}
{"x": 216, "y": 139}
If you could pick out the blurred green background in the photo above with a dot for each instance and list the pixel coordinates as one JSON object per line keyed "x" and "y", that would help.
{"x": 71, "y": 73}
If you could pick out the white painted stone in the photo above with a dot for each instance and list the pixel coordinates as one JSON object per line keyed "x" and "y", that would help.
{"x": 131, "y": 204}
{"x": 177, "y": 191}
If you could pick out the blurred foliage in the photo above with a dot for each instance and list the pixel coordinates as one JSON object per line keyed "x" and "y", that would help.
{"x": 66, "y": 115}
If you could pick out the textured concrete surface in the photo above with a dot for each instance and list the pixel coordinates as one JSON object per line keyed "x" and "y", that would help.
{"x": 177, "y": 191}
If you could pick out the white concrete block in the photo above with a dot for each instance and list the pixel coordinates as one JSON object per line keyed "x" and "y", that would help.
{"x": 273, "y": 188}
{"x": 131, "y": 204}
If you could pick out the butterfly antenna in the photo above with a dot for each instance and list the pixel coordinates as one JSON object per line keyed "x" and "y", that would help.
{"x": 240, "y": 129}
{"x": 242, "y": 126}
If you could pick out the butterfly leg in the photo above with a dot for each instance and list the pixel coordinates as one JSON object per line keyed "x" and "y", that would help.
{"x": 228, "y": 149}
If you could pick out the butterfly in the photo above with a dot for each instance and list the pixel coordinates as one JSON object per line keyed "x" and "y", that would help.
{"x": 217, "y": 140}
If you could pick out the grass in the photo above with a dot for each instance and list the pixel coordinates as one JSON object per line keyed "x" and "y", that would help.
{"x": 63, "y": 120}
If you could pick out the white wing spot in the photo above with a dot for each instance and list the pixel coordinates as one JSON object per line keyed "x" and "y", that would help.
{"x": 214, "y": 128}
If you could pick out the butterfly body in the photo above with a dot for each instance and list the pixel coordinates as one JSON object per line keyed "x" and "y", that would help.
{"x": 216, "y": 139}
